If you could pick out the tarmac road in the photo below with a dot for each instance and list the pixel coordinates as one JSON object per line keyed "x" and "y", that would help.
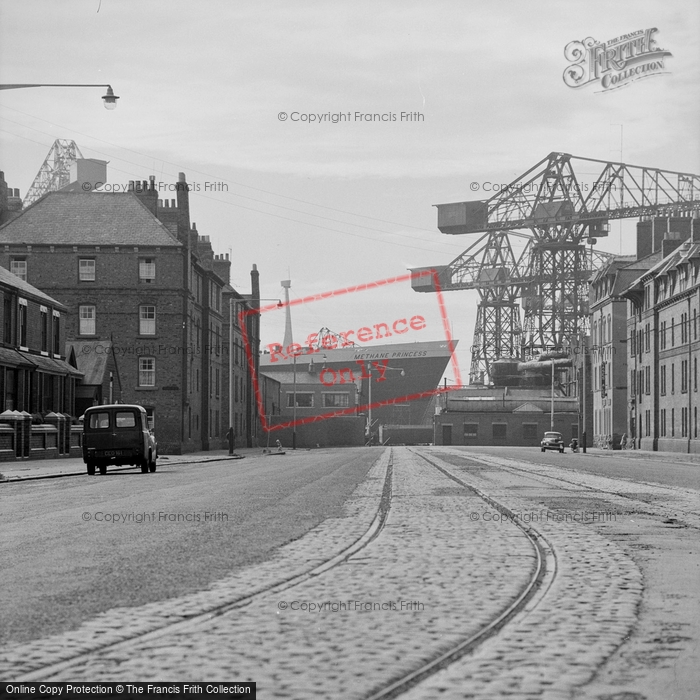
{"x": 668, "y": 469}
{"x": 74, "y": 547}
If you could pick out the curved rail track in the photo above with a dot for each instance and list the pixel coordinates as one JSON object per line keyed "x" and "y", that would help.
{"x": 527, "y": 598}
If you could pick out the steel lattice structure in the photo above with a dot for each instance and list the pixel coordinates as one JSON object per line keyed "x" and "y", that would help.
{"x": 558, "y": 205}
{"x": 55, "y": 171}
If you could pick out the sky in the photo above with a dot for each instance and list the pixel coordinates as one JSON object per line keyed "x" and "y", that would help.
{"x": 203, "y": 86}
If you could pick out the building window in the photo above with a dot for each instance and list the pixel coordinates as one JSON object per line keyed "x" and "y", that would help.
{"x": 647, "y": 380}
{"x": 647, "y": 334}
{"x": 673, "y": 378}
{"x": 22, "y": 323}
{"x": 56, "y": 334}
{"x": 87, "y": 320}
{"x": 44, "y": 330}
{"x": 86, "y": 270}
{"x": 147, "y": 320}
{"x": 305, "y": 399}
{"x": 336, "y": 400}
{"x": 662, "y": 335}
{"x": 147, "y": 270}
{"x": 471, "y": 430}
{"x": 662, "y": 380}
{"x": 147, "y": 371}
{"x": 695, "y": 374}
{"x": 673, "y": 332}
{"x": 673, "y": 421}
{"x": 684, "y": 376}
{"x": 684, "y": 421}
{"x": 7, "y": 328}
{"x": 18, "y": 266}
{"x": 662, "y": 422}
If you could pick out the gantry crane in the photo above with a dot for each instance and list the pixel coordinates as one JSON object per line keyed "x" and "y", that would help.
{"x": 558, "y": 205}
{"x": 55, "y": 170}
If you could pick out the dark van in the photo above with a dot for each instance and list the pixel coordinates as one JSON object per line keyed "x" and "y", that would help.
{"x": 118, "y": 434}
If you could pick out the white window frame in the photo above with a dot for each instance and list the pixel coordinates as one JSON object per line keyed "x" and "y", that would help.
{"x": 86, "y": 272}
{"x": 147, "y": 270}
{"x": 147, "y": 326}
{"x": 86, "y": 314}
{"x": 147, "y": 371}
{"x": 19, "y": 267}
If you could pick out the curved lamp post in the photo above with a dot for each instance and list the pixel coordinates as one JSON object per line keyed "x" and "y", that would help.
{"x": 109, "y": 98}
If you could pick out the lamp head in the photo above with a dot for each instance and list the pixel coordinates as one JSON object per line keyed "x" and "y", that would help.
{"x": 110, "y": 99}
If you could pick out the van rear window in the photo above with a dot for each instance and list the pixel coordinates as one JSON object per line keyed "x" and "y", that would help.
{"x": 99, "y": 420}
{"x": 125, "y": 419}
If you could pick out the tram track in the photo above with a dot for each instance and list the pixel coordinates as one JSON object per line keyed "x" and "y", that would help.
{"x": 192, "y": 621}
{"x": 520, "y": 604}
{"x": 530, "y": 595}
{"x": 549, "y": 480}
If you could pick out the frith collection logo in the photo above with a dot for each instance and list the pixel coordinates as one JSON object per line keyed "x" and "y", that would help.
{"x": 615, "y": 63}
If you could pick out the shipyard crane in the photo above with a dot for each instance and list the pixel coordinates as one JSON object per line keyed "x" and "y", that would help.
{"x": 558, "y": 205}
{"x": 55, "y": 170}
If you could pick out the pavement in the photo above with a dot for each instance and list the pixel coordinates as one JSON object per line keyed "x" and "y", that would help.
{"x": 74, "y": 466}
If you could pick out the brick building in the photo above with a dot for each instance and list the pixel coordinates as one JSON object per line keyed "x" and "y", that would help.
{"x": 503, "y": 415}
{"x": 663, "y": 330}
{"x": 34, "y": 374}
{"x": 608, "y": 349}
{"x": 139, "y": 282}
{"x": 315, "y": 402}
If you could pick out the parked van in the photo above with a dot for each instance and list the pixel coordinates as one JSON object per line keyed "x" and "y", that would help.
{"x": 118, "y": 434}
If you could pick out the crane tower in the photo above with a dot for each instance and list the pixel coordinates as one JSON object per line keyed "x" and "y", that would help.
{"x": 55, "y": 170}
{"x": 560, "y": 207}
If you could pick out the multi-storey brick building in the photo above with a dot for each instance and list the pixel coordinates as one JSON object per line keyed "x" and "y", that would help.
{"x": 608, "y": 348}
{"x": 663, "y": 326}
{"x": 34, "y": 374}
{"x": 140, "y": 282}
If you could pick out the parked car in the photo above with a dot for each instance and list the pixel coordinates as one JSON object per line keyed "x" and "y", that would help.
{"x": 118, "y": 434}
{"x": 552, "y": 441}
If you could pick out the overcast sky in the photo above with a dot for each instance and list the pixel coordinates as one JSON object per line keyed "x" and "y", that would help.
{"x": 330, "y": 205}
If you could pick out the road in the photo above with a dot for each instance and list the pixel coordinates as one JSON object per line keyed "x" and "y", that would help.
{"x": 198, "y": 523}
{"x": 414, "y": 572}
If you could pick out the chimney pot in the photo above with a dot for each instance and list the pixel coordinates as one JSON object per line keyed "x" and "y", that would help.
{"x": 131, "y": 185}
{"x": 181, "y": 177}
{"x": 173, "y": 204}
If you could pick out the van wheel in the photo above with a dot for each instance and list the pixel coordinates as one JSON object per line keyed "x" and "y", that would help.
{"x": 152, "y": 465}
{"x": 91, "y": 468}
{"x": 103, "y": 469}
{"x": 144, "y": 466}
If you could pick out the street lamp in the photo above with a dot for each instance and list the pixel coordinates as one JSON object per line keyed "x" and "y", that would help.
{"x": 109, "y": 99}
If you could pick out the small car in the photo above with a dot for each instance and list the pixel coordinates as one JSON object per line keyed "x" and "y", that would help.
{"x": 552, "y": 441}
{"x": 118, "y": 434}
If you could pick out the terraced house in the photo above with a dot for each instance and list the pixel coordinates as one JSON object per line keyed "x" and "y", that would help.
{"x": 140, "y": 283}
{"x": 664, "y": 346}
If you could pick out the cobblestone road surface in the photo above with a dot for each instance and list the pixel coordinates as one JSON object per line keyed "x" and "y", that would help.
{"x": 444, "y": 565}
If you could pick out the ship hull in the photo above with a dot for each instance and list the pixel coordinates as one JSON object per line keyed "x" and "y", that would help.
{"x": 404, "y": 377}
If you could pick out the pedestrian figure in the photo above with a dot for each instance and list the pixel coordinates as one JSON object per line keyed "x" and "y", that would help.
{"x": 231, "y": 437}
{"x": 279, "y": 446}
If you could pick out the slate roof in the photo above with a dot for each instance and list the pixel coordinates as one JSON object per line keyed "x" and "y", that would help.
{"x": 87, "y": 218}
{"x": 91, "y": 363}
{"x": 9, "y": 278}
